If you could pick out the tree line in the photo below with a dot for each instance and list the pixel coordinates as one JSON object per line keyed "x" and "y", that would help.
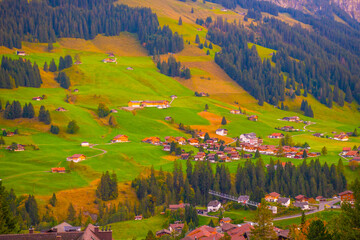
{"x": 19, "y": 73}
{"x": 15, "y": 110}
{"x": 44, "y": 21}
{"x": 173, "y": 68}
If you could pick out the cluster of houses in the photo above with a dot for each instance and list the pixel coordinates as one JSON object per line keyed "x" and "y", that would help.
{"x": 17, "y": 148}
{"x": 292, "y": 119}
{"x": 38, "y": 98}
{"x": 249, "y": 142}
{"x": 342, "y": 137}
{"x": 161, "y": 104}
{"x": 347, "y": 152}
{"x": 289, "y": 129}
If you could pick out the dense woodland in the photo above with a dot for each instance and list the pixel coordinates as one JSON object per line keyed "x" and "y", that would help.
{"x": 329, "y": 66}
{"x": 44, "y": 21}
{"x": 20, "y": 72}
{"x": 173, "y": 68}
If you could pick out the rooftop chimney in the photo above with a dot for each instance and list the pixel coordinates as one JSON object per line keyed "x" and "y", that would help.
{"x": 58, "y": 237}
{"x": 31, "y": 230}
{"x": 96, "y": 229}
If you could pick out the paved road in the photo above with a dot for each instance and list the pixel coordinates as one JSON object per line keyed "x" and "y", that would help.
{"x": 321, "y": 208}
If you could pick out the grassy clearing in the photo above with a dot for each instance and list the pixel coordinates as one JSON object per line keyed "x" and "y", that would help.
{"x": 325, "y": 215}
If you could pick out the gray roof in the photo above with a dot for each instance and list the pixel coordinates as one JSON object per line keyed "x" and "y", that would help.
{"x": 300, "y": 204}
{"x": 213, "y": 203}
{"x": 283, "y": 200}
{"x": 243, "y": 198}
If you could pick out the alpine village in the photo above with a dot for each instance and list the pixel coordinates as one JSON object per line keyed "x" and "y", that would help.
{"x": 179, "y": 119}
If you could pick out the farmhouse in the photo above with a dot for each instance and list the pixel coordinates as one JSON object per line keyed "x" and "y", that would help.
{"x": 138, "y": 218}
{"x": 204, "y": 232}
{"x": 185, "y": 156}
{"x": 77, "y": 62}
{"x": 213, "y": 206}
{"x": 181, "y": 140}
{"x": 167, "y": 148}
{"x": 193, "y": 141}
{"x": 85, "y": 144}
{"x": 76, "y": 158}
{"x": 341, "y": 137}
{"x": 120, "y": 138}
{"x": 276, "y": 135}
{"x": 170, "y": 139}
{"x": 17, "y": 148}
{"x": 20, "y": 53}
{"x": 109, "y": 60}
{"x": 201, "y": 135}
{"x": 235, "y": 112}
{"x": 243, "y": 199}
{"x": 158, "y": 104}
{"x": 272, "y": 197}
{"x": 284, "y": 201}
{"x": 60, "y": 109}
{"x": 176, "y": 227}
{"x": 347, "y": 196}
{"x": 37, "y": 98}
{"x": 58, "y": 170}
{"x": 253, "y": 118}
{"x": 162, "y": 232}
{"x": 175, "y": 207}
{"x": 292, "y": 119}
{"x": 302, "y": 205}
{"x": 135, "y": 104}
{"x": 301, "y": 198}
{"x": 200, "y": 156}
{"x": 225, "y": 220}
{"x": 250, "y": 138}
{"x": 351, "y": 154}
{"x": 111, "y": 55}
{"x": 221, "y": 132}
{"x": 318, "y": 135}
{"x": 152, "y": 140}
{"x": 288, "y": 129}
{"x": 168, "y": 118}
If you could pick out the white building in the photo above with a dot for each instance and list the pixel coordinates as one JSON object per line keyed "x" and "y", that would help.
{"x": 221, "y": 132}
{"x": 84, "y": 144}
{"x": 213, "y": 206}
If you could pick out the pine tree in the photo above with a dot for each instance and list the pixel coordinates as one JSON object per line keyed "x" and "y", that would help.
{"x": 223, "y": 121}
{"x": 210, "y": 46}
{"x": 348, "y": 96}
{"x": 8, "y": 220}
{"x": 31, "y": 208}
{"x": 42, "y": 113}
{"x": 61, "y": 64}
{"x": 72, "y": 127}
{"x": 47, "y": 118}
{"x": 53, "y": 200}
{"x": 50, "y": 46}
{"x": 208, "y": 52}
{"x": 257, "y": 154}
{"x": 180, "y": 21}
{"x": 112, "y": 121}
{"x": 192, "y": 10}
{"x": 355, "y": 132}
{"x": 68, "y": 61}
{"x": 30, "y": 111}
{"x": 317, "y": 231}
{"x": 52, "y": 67}
{"x": 263, "y": 229}
{"x": 2, "y": 141}
{"x": 46, "y": 67}
{"x": 206, "y": 107}
{"x": 197, "y": 39}
{"x": 304, "y": 155}
{"x": 25, "y": 111}
{"x": 71, "y": 213}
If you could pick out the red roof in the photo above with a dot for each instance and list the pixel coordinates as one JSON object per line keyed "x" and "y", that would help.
{"x": 274, "y": 194}
{"x": 299, "y": 197}
{"x": 346, "y": 148}
{"x": 346, "y": 192}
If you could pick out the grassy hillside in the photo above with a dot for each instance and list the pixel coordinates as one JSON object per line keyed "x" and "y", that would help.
{"x": 113, "y": 84}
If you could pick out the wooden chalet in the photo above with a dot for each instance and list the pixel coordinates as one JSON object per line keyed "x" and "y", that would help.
{"x": 276, "y": 135}
{"x": 76, "y": 158}
{"x": 58, "y": 170}
{"x": 253, "y": 118}
{"x": 120, "y": 138}
{"x": 347, "y": 196}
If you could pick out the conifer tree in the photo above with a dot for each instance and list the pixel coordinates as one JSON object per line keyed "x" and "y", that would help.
{"x": 54, "y": 129}
{"x": 112, "y": 121}
{"x": 68, "y": 61}
{"x": 52, "y": 67}
{"x": 223, "y": 121}
{"x": 2, "y": 141}
{"x": 53, "y": 200}
{"x": 61, "y": 64}
{"x": 71, "y": 217}
{"x": 264, "y": 228}
{"x": 30, "y": 111}
{"x": 25, "y": 111}
{"x": 210, "y": 46}
{"x": 257, "y": 154}
{"x": 42, "y": 114}
{"x": 103, "y": 110}
{"x": 46, "y": 67}
{"x": 197, "y": 39}
{"x": 348, "y": 96}
{"x": 355, "y": 132}
{"x": 324, "y": 151}
{"x": 180, "y": 21}
{"x": 50, "y": 46}
{"x": 31, "y": 208}
{"x": 8, "y": 220}
{"x": 341, "y": 99}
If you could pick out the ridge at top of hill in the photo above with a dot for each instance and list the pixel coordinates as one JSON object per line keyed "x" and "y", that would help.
{"x": 351, "y": 7}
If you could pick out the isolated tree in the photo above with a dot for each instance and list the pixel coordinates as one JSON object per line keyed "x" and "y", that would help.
{"x": 324, "y": 151}
{"x": 304, "y": 155}
{"x": 46, "y": 67}
{"x": 54, "y": 129}
{"x": 180, "y": 21}
{"x": 206, "y": 107}
{"x": 53, "y": 200}
{"x": 72, "y": 127}
{"x": 208, "y": 52}
{"x": 112, "y": 121}
{"x": 103, "y": 110}
{"x": 52, "y": 67}
{"x": 197, "y": 39}
{"x": 303, "y": 219}
{"x": 355, "y": 132}
{"x": 192, "y": 10}
{"x": 263, "y": 229}
{"x": 223, "y": 121}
